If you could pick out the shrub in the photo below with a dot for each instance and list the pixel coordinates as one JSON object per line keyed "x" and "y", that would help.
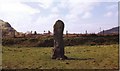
{"x": 68, "y": 41}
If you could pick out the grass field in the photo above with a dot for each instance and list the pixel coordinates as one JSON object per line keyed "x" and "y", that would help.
{"x": 81, "y": 57}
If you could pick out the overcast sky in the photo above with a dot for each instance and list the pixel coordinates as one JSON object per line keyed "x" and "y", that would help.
{"x": 78, "y": 15}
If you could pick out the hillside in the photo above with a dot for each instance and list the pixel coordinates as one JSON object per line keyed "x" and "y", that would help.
{"x": 7, "y": 29}
{"x": 114, "y": 30}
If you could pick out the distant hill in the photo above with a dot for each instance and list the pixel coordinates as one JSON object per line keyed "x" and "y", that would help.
{"x": 7, "y": 29}
{"x": 114, "y": 30}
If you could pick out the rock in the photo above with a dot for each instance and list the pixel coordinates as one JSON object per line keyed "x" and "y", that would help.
{"x": 58, "y": 50}
{"x": 67, "y": 63}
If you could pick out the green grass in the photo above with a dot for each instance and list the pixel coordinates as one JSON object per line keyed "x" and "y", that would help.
{"x": 85, "y": 57}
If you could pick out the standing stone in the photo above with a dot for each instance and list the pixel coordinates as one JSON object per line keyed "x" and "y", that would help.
{"x": 58, "y": 50}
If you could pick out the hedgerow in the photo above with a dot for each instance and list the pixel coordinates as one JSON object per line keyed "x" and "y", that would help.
{"x": 68, "y": 41}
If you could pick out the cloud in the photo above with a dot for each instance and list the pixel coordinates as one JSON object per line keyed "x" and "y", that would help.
{"x": 79, "y": 11}
{"x": 112, "y": 6}
{"x": 17, "y": 14}
{"x": 17, "y": 8}
{"x": 112, "y": 10}
{"x": 87, "y": 15}
{"x": 46, "y": 23}
{"x": 42, "y": 16}
{"x": 116, "y": 13}
{"x": 55, "y": 10}
{"x": 75, "y": 11}
{"x": 60, "y": 0}
{"x": 45, "y": 3}
{"x": 42, "y": 3}
{"x": 76, "y": 1}
{"x": 108, "y": 14}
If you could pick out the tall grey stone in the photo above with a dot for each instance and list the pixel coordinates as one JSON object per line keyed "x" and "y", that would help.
{"x": 58, "y": 49}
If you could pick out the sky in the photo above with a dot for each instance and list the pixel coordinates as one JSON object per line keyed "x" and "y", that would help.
{"x": 77, "y": 15}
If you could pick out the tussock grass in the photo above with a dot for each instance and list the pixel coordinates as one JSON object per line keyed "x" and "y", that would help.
{"x": 81, "y": 57}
